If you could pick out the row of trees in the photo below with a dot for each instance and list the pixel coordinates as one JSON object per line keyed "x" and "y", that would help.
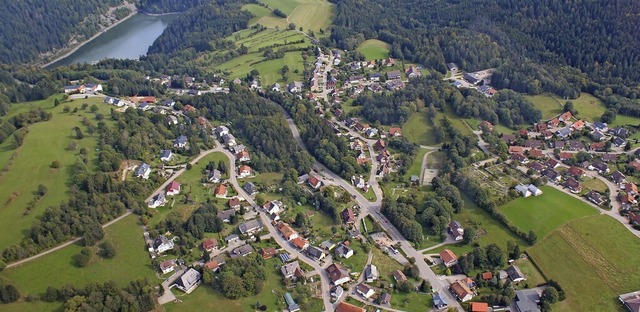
{"x": 138, "y": 295}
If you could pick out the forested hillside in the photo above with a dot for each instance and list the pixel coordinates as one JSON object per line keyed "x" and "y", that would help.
{"x": 31, "y": 27}
{"x": 167, "y": 6}
{"x": 533, "y": 44}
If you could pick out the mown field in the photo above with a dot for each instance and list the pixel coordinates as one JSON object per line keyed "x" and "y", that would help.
{"x": 547, "y": 104}
{"x": 418, "y": 130}
{"x": 374, "y": 49}
{"x": 24, "y": 168}
{"x": 546, "y": 212}
{"x": 594, "y": 259}
{"x": 59, "y": 268}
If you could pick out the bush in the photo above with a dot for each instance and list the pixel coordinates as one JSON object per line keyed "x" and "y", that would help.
{"x": 42, "y": 190}
{"x": 55, "y": 164}
{"x": 107, "y": 250}
{"x": 82, "y": 260}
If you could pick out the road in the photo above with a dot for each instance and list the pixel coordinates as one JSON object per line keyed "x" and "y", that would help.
{"x": 326, "y": 284}
{"x": 373, "y": 208}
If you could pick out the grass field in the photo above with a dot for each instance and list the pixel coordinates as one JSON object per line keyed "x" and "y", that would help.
{"x": 546, "y": 212}
{"x": 386, "y": 265}
{"x": 589, "y": 107}
{"x": 547, "y": 104}
{"x": 45, "y": 142}
{"x": 475, "y": 123}
{"x": 374, "y": 49}
{"x": 308, "y": 14}
{"x": 622, "y": 120}
{"x": 593, "y": 184}
{"x": 57, "y": 269}
{"x": 264, "y": 17}
{"x": 594, "y": 259}
{"x": 418, "y": 129}
{"x": 417, "y": 163}
{"x": 488, "y": 229}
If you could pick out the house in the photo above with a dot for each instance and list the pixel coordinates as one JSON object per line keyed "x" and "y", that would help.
{"x": 600, "y": 126}
{"x": 157, "y": 201}
{"x": 559, "y": 144}
{"x": 546, "y": 134}
{"x": 519, "y": 158}
{"x": 439, "y": 301}
{"x": 541, "y": 127}
{"x": 188, "y": 281}
{"x": 243, "y": 156}
{"x": 314, "y": 182}
{"x": 527, "y": 300}
{"x": 337, "y": 274}
{"x": 226, "y": 215}
{"x": 166, "y": 155}
{"x": 609, "y": 157}
{"x": 635, "y": 164}
{"x": 597, "y": 147}
{"x": 167, "y": 266}
{"x": 336, "y": 292}
{"x": 631, "y": 301}
{"x": 370, "y": 273}
{"x": 210, "y": 245}
{"x": 535, "y": 191}
{"x": 523, "y": 190}
{"x": 229, "y": 140}
{"x": 180, "y": 142}
{"x": 394, "y": 84}
{"x": 452, "y": 66}
{"x": 395, "y": 132}
{"x": 461, "y": 291}
{"x": 244, "y": 171}
{"x": 286, "y": 231}
{"x": 241, "y": 251}
{"x": 250, "y": 188}
{"x": 620, "y": 132}
{"x": 573, "y": 185}
{"x": 295, "y": 87}
{"x": 74, "y": 89}
{"x": 251, "y": 226}
{"x": 233, "y": 238}
{"x": 399, "y": 276}
{"x": 630, "y": 188}
{"x": 599, "y": 166}
{"x": 173, "y": 188}
{"x": 365, "y": 290}
{"x": 271, "y": 207}
{"x": 143, "y": 171}
{"x": 478, "y": 307}
{"x": 456, "y": 230}
{"x": 213, "y": 265}
{"x": 267, "y": 253}
{"x": 576, "y": 172}
{"x": 237, "y": 148}
{"x": 385, "y": 298}
{"x": 162, "y": 244}
{"x": 472, "y": 78}
{"x": 358, "y": 182}
{"x": 532, "y": 143}
{"x": 172, "y": 120}
{"x": 393, "y": 75}
{"x": 627, "y": 200}
{"x": 214, "y": 176}
{"x": 565, "y": 156}
{"x": 487, "y": 276}
{"x": 371, "y": 132}
{"x": 516, "y": 150}
{"x": 361, "y": 127}
{"x": 552, "y": 163}
{"x": 563, "y": 132}
{"x": 347, "y": 307}
{"x": 300, "y": 243}
{"x": 344, "y": 251}
{"x": 379, "y": 145}
{"x": 509, "y": 138}
{"x": 327, "y": 245}
{"x": 554, "y": 122}
{"x": 566, "y": 116}
{"x": 618, "y": 177}
{"x": 291, "y": 270}
{"x": 578, "y": 125}
{"x": 535, "y": 153}
{"x": 551, "y": 174}
{"x": 575, "y": 145}
{"x": 292, "y": 306}
{"x": 315, "y": 253}
{"x": 220, "y": 191}
{"x": 389, "y": 62}
{"x": 595, "y": 198}
{"x": 348, "y": 217}
{"x": 221, "y": 131}
{"x": 449, "y": 259}
{"x": 515, "y": 274}
{"x": 536, "y": 166}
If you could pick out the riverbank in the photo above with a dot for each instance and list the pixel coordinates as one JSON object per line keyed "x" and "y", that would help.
{"x": 159, "y": 14}
{"x": 70, "y": 51}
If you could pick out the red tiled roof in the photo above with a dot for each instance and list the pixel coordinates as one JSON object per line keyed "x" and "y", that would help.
{"x": 221, "y": 190}
{"x": 448, "y": 256}
{"x": 479, "y": 307}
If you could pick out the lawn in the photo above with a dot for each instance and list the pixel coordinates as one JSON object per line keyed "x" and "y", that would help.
{"x": 594, "y": 259}
{"x": 589, "y": 107}
{"x": 416, "y": 165}
{"x": 411, "y": 301}
{"x": 46, "y": 141}
{"x": 489, "y": 230}
{"x": 593, "y": 184}
{"x": 264, "y": 17}
{"x": 356, "y": 262}
{"x": 270, "y": 71}
{"x": 534, "y": 277}
{"x": 546, "y": 212}
{"x": 418, "y": 129}
{"x": 475, "y": 123}
{"x": 547, "y": 104}
{"x": 58, "y": 268}
{"x": 312, "y": 14}
{"x": 623, "y": 120}
{"x": 386, "y": 265}
{"x": 374, "y": 49}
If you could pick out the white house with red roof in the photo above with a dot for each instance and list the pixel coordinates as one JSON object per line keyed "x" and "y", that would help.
{"x": 173, "y": 188}
{"x": 244, "y": 171}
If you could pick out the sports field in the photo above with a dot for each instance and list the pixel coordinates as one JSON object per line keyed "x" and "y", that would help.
{"x": 23, "y": 169}
{"x": 594, "y": 259}
{"x": 546, "y": 212}
{"x": 374, "y": 49}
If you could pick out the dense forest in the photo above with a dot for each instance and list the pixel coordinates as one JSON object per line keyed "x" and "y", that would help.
{"x": 25, "y": 21}
{"x": 168, "y": 6}
{"x": 534, "y": 46}
{"x": 139, "y": 295}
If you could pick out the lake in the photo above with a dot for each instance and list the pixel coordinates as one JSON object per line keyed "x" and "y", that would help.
{"x": 127, "y": 40}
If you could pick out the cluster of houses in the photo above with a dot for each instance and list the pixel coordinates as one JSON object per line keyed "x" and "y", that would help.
{"x": 87, "y": 88}
{"x": 384, "y": 158}
{"x": 479, "y": 81}
{"x": 188, "y": 85}
{"x": 241, "y": 154}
